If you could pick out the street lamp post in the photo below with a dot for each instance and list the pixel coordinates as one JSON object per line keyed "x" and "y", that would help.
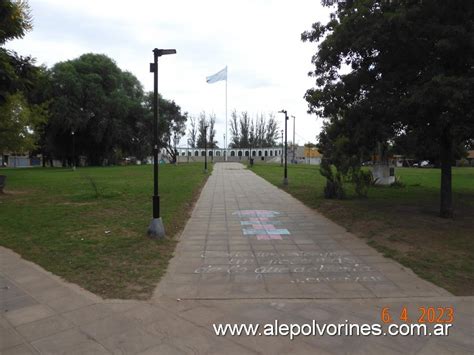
{"x": 285, "y": 176}
{"x": 205, "y": 149}
{"x": 156, "y": 228}
{"x": 73, "y": 150}
{"x": 294, "y": 144}
{"x": 281, "y": 154}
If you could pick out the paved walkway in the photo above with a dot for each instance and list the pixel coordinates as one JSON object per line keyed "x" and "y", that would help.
{"x": 250, "y": 253}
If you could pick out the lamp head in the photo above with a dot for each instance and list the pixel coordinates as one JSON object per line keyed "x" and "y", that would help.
{"x": 160, "y": 52}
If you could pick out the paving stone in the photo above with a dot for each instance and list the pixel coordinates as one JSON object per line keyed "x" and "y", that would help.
{"x": 88, "y": 314}
{"x": 16, "y": 303}
{"x": 133, "y": 341}
{"x": 19, "y": 350}
{"x": 44, "y": 327}
{"x": 105, "y": 327}
{"x": 60, "y": 343}
{"x": 28, "y": 314}
{"x": 68, "y": 303}
{"x": 8, "y": 337}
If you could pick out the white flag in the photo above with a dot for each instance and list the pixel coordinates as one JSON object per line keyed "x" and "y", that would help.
{"x": 222, "y": 75}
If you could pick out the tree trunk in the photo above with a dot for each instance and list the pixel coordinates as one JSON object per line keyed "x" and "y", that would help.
{"x": 446, "y": 206}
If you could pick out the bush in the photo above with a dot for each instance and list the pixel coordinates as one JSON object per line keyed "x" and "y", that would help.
{"x": 362, "y": 180}
{"x": 334, "y": 181}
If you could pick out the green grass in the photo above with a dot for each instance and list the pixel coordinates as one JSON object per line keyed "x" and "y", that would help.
{"x": 89, "y": 226}
{"x": 402, "y": 223}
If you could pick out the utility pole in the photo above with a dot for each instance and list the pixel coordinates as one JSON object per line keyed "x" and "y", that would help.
{"x": 285, "y": 175}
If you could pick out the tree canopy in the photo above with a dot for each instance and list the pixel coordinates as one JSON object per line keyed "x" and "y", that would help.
{"x": 389, "y": 69}
{"x": 20, "y": 113}
{"x": 249, "y": 132}
{"x": 107, "y": 110}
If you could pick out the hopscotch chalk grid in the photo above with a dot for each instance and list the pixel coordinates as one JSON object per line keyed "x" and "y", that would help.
{"x": 260, "y": 223}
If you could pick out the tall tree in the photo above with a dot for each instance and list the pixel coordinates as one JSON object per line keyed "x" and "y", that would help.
{"x": 16, "y": 20}
{"x": 202, "y": 130}
{"x": 410, "y": 71}
{"x": 21, "y": 114}
{"x": 206, "y": 131}
{"x": 192, "y": 132}
{"x": 258, "y": 132}
{"x": 234, "y": 130}
{"x": 171, "y": 127}
{"x": 92, "y": 97}
{"x": 211, "y": 141}
{"x": 271, "y": 131}
{"x": 108, "y": 111}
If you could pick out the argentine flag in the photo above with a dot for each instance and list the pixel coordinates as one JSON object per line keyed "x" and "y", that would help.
{"x": 221, "y": 75}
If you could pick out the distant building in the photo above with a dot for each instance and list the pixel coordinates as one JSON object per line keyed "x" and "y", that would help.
{"x": 468, "y": 161}
{"x": 12, "y": 160}
{"x": 312, "y": 155}
{"x": 269, "y": 154}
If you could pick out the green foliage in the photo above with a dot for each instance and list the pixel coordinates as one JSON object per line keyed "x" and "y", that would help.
{"x": 334, "y": 181}
{"x": 249, "y": 132}
{"x": 18, "y": 123}
{"x": 410, "y": 74}
{"x": 206, "y": 132}
{"x": 15, "y": 19}
{"x": 108, "y": 111}
{"x": 362, "y": 181}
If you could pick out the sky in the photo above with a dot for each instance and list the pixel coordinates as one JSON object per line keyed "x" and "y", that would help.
{"x": 259, "y": 41}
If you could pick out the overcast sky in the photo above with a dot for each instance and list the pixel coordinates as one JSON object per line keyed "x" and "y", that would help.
{"x": 259, "y": 41}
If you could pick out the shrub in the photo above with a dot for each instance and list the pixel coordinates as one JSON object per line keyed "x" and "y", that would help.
{"x": 362, "y": 180}
{"x": 334, "y": 181}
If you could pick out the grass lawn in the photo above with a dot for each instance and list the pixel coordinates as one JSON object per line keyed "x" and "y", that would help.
{"x": 401, "y": 222}
{"x": 89, "y": 226}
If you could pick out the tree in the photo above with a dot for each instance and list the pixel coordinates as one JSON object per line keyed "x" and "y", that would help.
{"x": 192, "y": 133}
{"x": 20, "y": 112}
{"x": 410, "y": 72}
{"x": 247, "y": 132}
{"x": 16, "y": 20}
{"x": 18, "y": 124}
{"x": 206, "y": 129}
{"x": 211, "y": 141}
{"x": 92, "y": 97}
{"x": 202, "y": 130}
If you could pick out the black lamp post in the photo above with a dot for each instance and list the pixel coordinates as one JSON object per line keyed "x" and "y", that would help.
{"x": 281, "y": 155}
{"x": 156, "y": 228}
{"x": 205, "y": 149}
{"x": 73, "y": 150}
{"x": 285, "y": 176}
{"x": 294, "y": 145}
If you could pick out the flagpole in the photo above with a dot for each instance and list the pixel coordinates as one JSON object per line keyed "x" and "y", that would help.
{"x": 226, "y": 133}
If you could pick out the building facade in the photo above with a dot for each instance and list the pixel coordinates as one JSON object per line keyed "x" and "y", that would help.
{"x": 198, "y": 154}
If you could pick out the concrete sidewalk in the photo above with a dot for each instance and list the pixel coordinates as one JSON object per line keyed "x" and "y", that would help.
{"x": 250, "y": 253}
